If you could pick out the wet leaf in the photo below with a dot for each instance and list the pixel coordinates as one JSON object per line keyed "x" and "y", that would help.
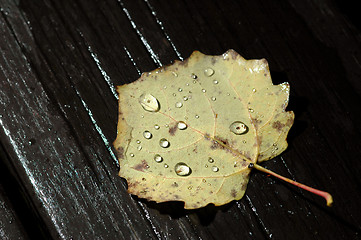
{"x": 188, "y": 131}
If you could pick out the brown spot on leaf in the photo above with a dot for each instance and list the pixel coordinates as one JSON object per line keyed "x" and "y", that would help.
{"x": 207, "y": 136}
{"x": 233, "y": 54}
{"x": 173, "y": 129}
{"x": 233, "y": 193}
{"x": 289, "y": 122}
{"x": 132, "y": 185}
{"x": 219, "y": 143}
{"x": 141, "y": 166}
{"x": 257, "y": 122}
{"x": 248, "y": 155}
{"x": 278, "y": 125}
{"x": 214, "y": 145}
{"x": 183, "y": 63}
{"x": 120, "y": 152}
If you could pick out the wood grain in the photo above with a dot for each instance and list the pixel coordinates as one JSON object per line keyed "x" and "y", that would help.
{"x": 61, "y": 60}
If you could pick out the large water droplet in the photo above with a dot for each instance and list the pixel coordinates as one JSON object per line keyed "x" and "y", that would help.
{"x": 178, "y": 104}
{"x": 238, "y": 128}
{"x": 164, "y": 143}
{"x": 149, "y": 102}
{"x": 181, "y": 169}
{"x": 215, "y": 169}
{"x": 208, "y": 72}
{"x": 147, "y": 135}
{"x": 182, "y": 125}
{"x": 158, "y": 158}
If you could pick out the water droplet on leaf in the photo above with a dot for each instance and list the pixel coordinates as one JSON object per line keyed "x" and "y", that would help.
{"x": 164, "y": 143}
{"x": 147, "y": 134}
{"x": 132, "y": 154}
{"x": 215, "y": 81}
{"x": 203, "y": 90}
{"x": 194, "y": 76}
{"x": 214, "y": 98}
{"x": 211, "y": 160}
{"x": 208, "y": 72}
{"x": 139, "y": 148}
{"x": 149, "y": 102}
{"x": 215, "y": 169}
{"x": 179, "y": 89}
{"x": 181, "y": 169}
{"x": 182, "y": 125}
{"x": 158, "y": 158}
{"x": 197, "y": 116}
{"x": 238, "y": 128}
{"x": 156, "y": 127}
{"x": 178, "y": 104}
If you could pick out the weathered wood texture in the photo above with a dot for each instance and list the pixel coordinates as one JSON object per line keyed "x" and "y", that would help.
{"x": 60, "y": 61}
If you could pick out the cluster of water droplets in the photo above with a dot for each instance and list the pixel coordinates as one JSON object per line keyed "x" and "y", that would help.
{"x": 151, "y": 104}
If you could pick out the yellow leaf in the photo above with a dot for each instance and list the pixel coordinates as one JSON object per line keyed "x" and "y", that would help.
{"x": 188, "y": 132}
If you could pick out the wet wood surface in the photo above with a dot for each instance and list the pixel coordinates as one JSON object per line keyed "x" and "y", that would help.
{"x": 61, "y": 60}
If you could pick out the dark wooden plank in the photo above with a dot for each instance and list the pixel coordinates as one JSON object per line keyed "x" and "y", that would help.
{"x": 68, "y": 176}
{"x": 18, "y": 218}
{"x": 60, "y": 63}
{"x": 10, "y": 223}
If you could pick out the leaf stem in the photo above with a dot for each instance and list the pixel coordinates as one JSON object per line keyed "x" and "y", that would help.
{"x": 323, "y": 194}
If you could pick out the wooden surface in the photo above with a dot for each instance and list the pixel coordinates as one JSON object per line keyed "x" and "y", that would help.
{"x": 60, "y": 61}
